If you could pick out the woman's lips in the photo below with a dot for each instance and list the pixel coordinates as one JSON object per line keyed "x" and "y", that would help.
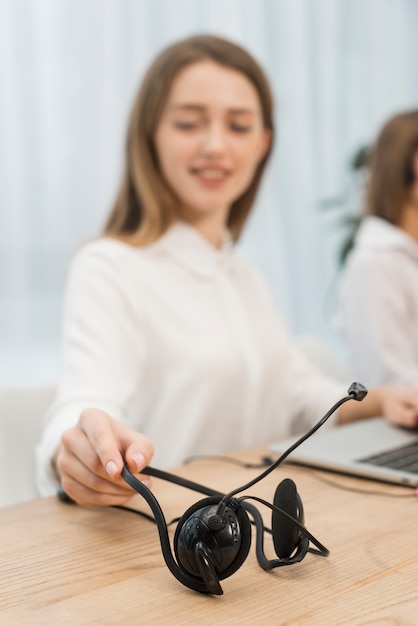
{"x": 211, "y": 175}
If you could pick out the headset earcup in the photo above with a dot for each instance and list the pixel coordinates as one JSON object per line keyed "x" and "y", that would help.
{"x": 285, "y": 534}
{"x": 233, "y": 542}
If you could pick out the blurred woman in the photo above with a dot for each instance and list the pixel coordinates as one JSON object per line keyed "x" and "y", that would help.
{"x": 170, "y": 339}
{"x": 378, "y": 304}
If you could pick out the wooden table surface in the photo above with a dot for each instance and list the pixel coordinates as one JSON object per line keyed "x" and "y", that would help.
{"x": 63, "y": 564}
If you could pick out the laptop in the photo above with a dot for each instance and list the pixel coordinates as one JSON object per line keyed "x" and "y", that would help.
{"x": 370, "y": 448}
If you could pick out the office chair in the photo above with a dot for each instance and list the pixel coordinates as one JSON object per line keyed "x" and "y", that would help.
{"x": 22, "y": 408}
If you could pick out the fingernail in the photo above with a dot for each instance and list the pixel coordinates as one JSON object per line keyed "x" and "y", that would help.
{"x": 147, "y": 483}
{"x": 139, "y": 460}
{"x": 111, "y": 469}
{"x": 411, "y": 417}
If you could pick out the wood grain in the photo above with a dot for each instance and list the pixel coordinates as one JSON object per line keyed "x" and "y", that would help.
{"x": 62, "y": 564}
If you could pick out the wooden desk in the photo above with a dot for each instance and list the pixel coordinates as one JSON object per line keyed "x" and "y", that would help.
{"x": 67, "y": 565}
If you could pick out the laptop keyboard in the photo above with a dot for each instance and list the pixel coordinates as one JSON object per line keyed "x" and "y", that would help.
{"x": 404, "y": 458}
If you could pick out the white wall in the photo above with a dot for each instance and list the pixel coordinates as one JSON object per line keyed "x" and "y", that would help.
{"x": 68, "y": 72}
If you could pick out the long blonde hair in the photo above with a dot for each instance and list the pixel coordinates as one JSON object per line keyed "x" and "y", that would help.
{"x": 145, "y": 206}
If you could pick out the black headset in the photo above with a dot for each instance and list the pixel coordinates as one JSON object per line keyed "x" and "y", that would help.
{"x": 213, "y": 537}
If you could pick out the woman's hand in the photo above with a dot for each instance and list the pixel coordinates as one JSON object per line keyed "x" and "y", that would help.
{"x": 91, "y": 456}
{"x": 399, "y": 405}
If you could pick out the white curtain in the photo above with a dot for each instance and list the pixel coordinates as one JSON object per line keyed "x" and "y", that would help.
{"x": 68, "y": 73}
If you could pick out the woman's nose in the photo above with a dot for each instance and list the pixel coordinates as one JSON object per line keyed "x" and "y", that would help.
{"x": 215, "y": 140}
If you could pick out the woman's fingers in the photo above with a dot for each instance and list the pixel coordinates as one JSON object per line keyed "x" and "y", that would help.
{"x": 99, "y": 431}
{"x": 138, "y": 452}
{"x": 71, "y": 467}
{"x": 401, "y": 406}
{"x": 82, "y": 494}
{"x": 91, "y": 457}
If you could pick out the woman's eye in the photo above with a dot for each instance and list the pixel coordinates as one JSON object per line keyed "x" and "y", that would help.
{"x": 185, "y": 125}
{"x": 240, "y": 128}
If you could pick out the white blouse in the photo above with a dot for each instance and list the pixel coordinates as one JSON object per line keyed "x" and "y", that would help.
{"x": 182, "y": 342}
{"x": 378, "y": 305}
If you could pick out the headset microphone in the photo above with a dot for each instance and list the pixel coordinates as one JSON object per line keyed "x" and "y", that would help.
{"x": 213, "y": 537}
{"x": 357, "y": 391}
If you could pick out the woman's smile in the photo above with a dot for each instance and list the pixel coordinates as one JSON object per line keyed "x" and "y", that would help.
{"x": 210, "y": 140}
{"x": 211, "y": 176}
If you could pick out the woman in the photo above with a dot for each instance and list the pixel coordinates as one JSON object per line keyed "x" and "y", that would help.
{"x": 378, "y": 305}
{"x": 166, "y": 331}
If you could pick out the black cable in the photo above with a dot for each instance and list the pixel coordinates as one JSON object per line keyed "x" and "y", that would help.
{"x": 291, "y": 519}
{"x": 139, "y": 487}
{"x": 178, "y": 480}
{"x": 351, "y": 396}
{"x": 302, "y": 548}
{"x": 366, "y": 492}
{"x": 265, "y": 460}
{"x": 150, "y": 518}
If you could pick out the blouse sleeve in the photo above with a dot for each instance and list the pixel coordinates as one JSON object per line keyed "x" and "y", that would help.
{"x": 296, "y": 392}
{"x": 102, "y": 351}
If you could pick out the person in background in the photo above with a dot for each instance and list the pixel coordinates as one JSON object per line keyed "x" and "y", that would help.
{"x": 378, "y": 298}
{"x": 171, "y": 340}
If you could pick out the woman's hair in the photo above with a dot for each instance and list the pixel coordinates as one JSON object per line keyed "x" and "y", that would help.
{"x": 145, "y": 206}
{"x": 391, "y": 167}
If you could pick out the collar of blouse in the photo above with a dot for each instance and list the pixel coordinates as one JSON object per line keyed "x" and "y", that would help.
{"x": 192, "y": 250}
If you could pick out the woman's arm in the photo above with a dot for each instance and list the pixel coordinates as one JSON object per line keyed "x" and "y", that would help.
{"x": 103, "y": 359}
{"x": 399, "y": 405}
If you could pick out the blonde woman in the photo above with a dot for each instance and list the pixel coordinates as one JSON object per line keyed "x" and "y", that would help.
{"x": 169, "y": 337}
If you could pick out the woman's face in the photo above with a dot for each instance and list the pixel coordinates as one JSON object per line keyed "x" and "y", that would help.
{"x": 210, "y": 139}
